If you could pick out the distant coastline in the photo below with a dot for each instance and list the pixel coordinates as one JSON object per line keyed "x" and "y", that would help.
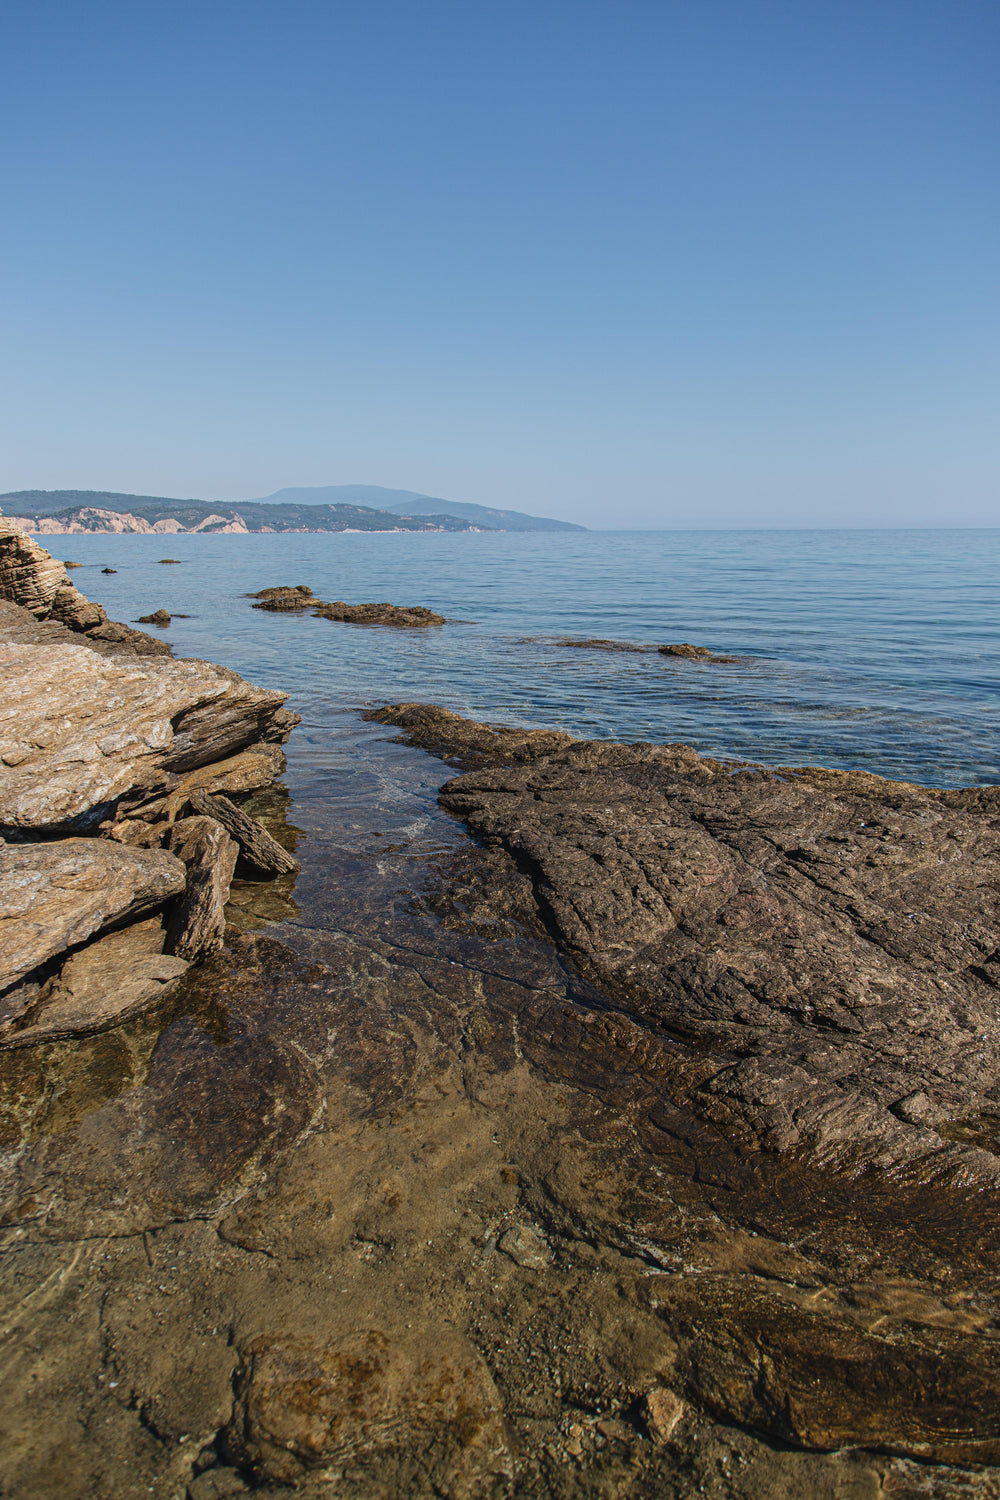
{"x": 75, "y": 512}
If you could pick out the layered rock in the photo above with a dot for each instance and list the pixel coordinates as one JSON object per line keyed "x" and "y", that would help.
{"x": 53, "y": 896}
{"x": 78, "y": 731}
{"x": 94, "y": 740}
{"x": 827, "y": 938}
{"x": 31, "y": 578}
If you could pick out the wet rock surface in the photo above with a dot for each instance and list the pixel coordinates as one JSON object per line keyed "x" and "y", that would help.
{"x": 393, "y": 1201}
{"x": 687, "y": 652}
{"x": 827, "y": 938}
{"x": 288, "y": 600}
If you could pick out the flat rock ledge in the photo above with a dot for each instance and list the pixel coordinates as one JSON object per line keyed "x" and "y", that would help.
{"x": 823, "y": 942}
{"x": 285, "y": 600}
{"x": 108, "y": 892}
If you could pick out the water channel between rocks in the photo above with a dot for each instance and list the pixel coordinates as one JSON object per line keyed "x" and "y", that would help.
{"x": 383, "y": 1202}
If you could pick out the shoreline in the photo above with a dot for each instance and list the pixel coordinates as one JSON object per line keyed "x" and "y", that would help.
{"x": 415, "y": 1192}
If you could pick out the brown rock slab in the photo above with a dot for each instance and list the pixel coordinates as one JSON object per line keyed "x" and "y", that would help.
{"x": 257, "y": 846}
{"x": 55, "y": 895}
{"x": 103, "y": 984}
{"x": 78, "y": 730}
{"x": 158, "y": 617}
{"x": 527, "y": 1247}
{"x": 198, "y": 924}
{"x": 688, "y": 652}
{"x": 829, "y": 937}
{"x": 307, "y": 1406}
{"x": 405, "y": 617}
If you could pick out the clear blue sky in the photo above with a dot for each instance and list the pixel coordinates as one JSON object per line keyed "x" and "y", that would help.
{"x": 719, "y": 262}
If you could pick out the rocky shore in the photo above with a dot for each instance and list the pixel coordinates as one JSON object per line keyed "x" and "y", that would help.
{"x": 827, "y": 939}
{"x": 118, "y": 851}
{"x": 641, "y": 1146}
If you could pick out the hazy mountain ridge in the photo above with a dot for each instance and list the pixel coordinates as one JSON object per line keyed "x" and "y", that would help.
{"x": 411, "y": 503}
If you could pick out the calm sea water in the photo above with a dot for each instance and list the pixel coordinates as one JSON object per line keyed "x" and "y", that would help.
{"x": 871, "y": 649}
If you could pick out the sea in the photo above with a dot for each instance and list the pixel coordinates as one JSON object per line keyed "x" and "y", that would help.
{"x": 871, "y": 649}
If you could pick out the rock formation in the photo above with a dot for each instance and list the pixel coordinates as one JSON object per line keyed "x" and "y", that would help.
{"x": 100, "y": 737}
{"x": 285, "y": 600}
{"x": 33, "y": 579}
{"x": 826, "y": 939}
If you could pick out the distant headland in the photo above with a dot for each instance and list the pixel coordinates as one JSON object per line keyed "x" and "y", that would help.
{"x": 346, "y": 507}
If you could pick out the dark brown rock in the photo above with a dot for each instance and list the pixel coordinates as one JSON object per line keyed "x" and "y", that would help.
{"x": 465, "y": 742}
{"x": 830, "y": 936}
{"x": 158, "y": 617}
{"x": 284, "y": 600}
{"x": 403, "y": 617}
{"x": 693, "y": 653}
{"x": 257, "y": 846}
{"x": 198, "y": 925}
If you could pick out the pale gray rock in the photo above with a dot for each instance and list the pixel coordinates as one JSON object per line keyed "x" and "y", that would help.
{"x": 100, "y": 986}
{"x": 78, "y": 730}
{"x": 56, "y": 895}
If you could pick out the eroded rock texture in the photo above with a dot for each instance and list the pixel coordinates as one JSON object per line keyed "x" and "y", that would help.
{"x": 78, "y": 731}
{"x": 55, "y": 895}
{"x": 33, "y": 580}
{"x": 828, "y": 939}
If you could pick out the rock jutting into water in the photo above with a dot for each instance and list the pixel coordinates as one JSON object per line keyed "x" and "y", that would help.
{"x": 286, "y": 600}
{"x": 826, "y": 938}
{"x": 687, "y": 652}
{"x": 158, "y": 617}
{"x": 100, "y": 738}
{"x": 31, "y": 578}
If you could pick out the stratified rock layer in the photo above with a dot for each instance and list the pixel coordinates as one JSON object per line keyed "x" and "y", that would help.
{"x": 829, "y": 937}
{"x": 56, "y": 895}
{"x": 78, "y": 730}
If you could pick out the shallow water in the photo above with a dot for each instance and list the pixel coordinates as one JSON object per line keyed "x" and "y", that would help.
{"x": 870, "y": 649}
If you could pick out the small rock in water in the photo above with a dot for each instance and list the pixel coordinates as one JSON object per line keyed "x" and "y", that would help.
{"x": 158, "y": 617}
{"x": 168, "y": 559}
{"x": 526, "y": 1247}
{"x": 662, "y": 1411}
{"x": 109, "y": 570}
{"x": 68, "y": 564}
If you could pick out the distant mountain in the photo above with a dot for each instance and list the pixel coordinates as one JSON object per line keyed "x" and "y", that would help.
{"x": 409, "y": 503}
{"x": 40, "y": 510}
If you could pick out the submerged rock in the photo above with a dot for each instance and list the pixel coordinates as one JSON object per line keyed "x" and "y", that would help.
{"x": 829, "y": 937}
{"x": 56, "y": 895}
